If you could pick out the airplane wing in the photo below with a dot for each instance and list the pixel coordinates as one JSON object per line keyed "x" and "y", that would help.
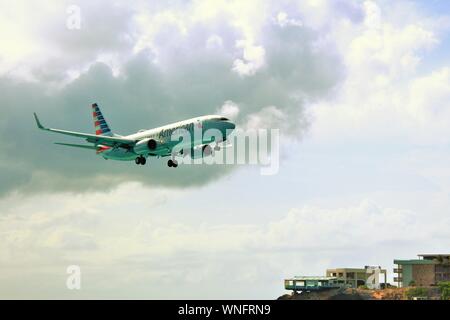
{"x": 92, "y": 138}
{"x": 84, "y": 146}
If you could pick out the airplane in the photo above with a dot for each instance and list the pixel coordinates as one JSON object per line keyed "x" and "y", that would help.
{"x": 149, "y": 143}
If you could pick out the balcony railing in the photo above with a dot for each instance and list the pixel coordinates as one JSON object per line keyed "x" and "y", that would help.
{"x": 398, "y": 270}
{"x": 398, "y": 279}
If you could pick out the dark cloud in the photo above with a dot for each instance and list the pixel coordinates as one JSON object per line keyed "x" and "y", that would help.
{"x": 188, "y": 79}
{"x": 106, "y": 30}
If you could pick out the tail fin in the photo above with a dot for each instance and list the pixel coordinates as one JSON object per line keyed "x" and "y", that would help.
{"x": 101, "y": 127}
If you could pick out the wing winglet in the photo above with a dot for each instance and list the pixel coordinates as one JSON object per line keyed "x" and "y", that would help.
{"x": 38, "y": 123}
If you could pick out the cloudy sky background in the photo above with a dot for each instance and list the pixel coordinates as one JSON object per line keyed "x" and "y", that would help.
{"x": 360, "y": 91}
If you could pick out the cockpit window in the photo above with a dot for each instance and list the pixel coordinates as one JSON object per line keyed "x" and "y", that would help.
{"x": 219, "y": 119}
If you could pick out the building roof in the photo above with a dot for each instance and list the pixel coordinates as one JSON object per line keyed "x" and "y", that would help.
{"x": 415, "y": 261}
{"x": 434, "y": 255}
{"x": 313, "y": 278}
{"x": 347, "y": 269}
{"x": 362, "y": 270}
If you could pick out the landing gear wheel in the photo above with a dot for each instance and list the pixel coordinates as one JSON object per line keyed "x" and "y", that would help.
{"x": 140, "y": 160}
{"x": 207, "y": 150}
{"x": 172, "y": 163}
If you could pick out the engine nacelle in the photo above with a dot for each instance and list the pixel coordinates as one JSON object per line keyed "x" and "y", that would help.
{"x": 145, "y": 146}
{"x": 201, "y": 151}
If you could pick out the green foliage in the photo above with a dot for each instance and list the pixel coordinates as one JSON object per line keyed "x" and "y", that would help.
{"x": 416, "y": 292}
{"x": 412, "y": 283}
{"x": 444, "y": 288}
{"x": 363, "y": 287}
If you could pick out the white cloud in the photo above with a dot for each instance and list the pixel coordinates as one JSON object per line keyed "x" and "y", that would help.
{"x": 268, "y": 117}
{"x": 363, "y": 225}
{"x": 373, "y": 15}
{"x": 214, "y": 42}
{"x": 253, "y": 58}
{"x": 133, "y": 248}
{"x": 429, "y": 98}
{"x": 229, "y": 110}
{"x": 383, "y": 85}
{"x": 283, "y": 20}
{"x": 38, "y": 46}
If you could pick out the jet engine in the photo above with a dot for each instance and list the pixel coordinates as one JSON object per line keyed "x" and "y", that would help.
{"x": 201, "y": 151}
{"x": 146, "y": 146}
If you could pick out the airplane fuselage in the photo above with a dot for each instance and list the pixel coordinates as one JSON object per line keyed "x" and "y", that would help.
{"x": 163, "y": 135}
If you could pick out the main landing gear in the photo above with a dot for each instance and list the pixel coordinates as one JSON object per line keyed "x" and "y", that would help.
{"x": 172, "y": 163}
{"x": 218, "y": 145}
{"x": 140, "y": 160}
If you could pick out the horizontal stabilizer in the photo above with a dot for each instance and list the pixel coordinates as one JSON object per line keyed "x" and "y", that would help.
{"x": 84, "y": 146}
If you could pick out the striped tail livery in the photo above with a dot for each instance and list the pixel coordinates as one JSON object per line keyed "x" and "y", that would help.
{"x": 101, "y": 127}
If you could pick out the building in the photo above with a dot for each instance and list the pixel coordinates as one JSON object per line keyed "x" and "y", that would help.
{"x": 354, "y": 277}
{"x": 308, "y": 283}
{"x": 427, "y": 270}
{"x": 338, "y": 278}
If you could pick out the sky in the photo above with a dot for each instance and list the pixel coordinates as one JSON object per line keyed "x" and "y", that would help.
{"x": 360, "y": 91}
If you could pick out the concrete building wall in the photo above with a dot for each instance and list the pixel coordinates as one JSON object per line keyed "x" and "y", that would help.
{"x": 352, "y": 276}
{"x": 424, "y": 275}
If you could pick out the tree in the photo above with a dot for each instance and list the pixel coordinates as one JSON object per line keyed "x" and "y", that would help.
{"x": 444, "y": 288}
{"x": 416, "y": 292}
